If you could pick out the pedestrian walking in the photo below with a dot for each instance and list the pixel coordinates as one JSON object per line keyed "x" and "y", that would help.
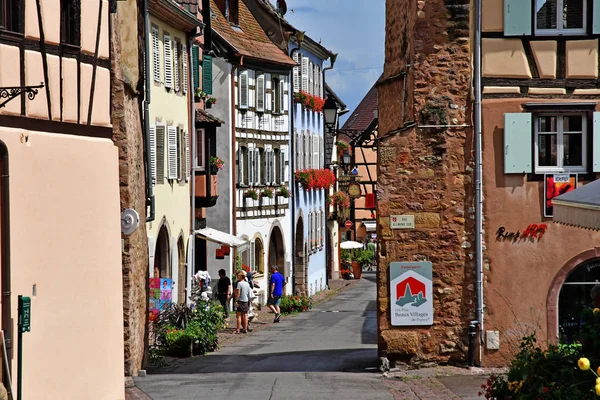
{"x": 224, "y": 291}
{"x": 242, "y": 297}
{"x": 276, "y": 284}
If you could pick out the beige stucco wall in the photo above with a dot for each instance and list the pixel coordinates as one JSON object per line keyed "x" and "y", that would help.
{"x": 65, "y": 239}
{"x": 170, "y": 108}
{"x": 582, "y": 59}
{"x": 544, "y": 53}
{"x": 492, "y": 15}
{"x": 504, "y": 58}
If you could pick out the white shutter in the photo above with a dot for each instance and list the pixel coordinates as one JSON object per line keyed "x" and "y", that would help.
{"x": 282, "y": 105}
{"x": 184, "y": 57}
{"x": 318, "y": 90}
{"x": 272, "y": 167}
{"x": 168, "y": 62}
{"x": 243, "y": 89}
{"x": 153, "y": 154}
{"x": 155, "y": 54}
{"x": 260, "y": 93}
{"x": 321, "y": 161}
{"x": 176, "y": 65}
{"x": 172, "y": 152}
{"x": 186, "y": 137}
{"x": 250, "y": 166}
{"x": 252, "y": 255}
{"x": 321, "y": 86}
{"x": 307, "y": 150}
{"x": 296, "y": 72}
{"x": 318, "y": 223}
{"x": 311, "y": 73}
{"x": 304, "y": 71}
{"x": 257, "y": 171}
{"x": 282, "y": 158}
{"x": 267, "y": 167}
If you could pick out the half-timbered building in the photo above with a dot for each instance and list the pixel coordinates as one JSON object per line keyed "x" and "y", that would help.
{"x": 59, "y": 200}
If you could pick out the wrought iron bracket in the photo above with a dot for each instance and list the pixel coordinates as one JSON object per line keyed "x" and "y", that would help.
{"x": 12, "y": 92}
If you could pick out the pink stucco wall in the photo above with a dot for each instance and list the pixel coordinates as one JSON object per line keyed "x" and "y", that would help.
{"x": 65, "y": 239}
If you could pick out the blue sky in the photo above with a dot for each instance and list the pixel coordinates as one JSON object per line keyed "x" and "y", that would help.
{"x": 353, "y": 28}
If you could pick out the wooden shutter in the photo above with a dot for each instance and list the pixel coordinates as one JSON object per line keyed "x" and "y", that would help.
{"x": 596, "y": 141}
{"x": 184, "y": 58}
{"x": 188, "y": 160}
{"x": 250, "y": 166}
{"x": 168, "y": 62}
{"x": 260, "y": 93}
{"x": 179, "y": 154}
{"x": 207, "y": 78}
{"x": 517, "y": 143}
{"x": 282, "y": 104}
{"x": 296, "y": 72}
{"x": 160, "y": 154}
{"x": 311, "y": 87}
{"x": 517, "y": 17}
{"x": 153, "y": 154}
{"x": 304, "y": 77}
{"x": 596, "y": 17}
{"x": 282, "y": 158}
{"x": 176, "y": 64}
{"x": 172, "y": 152}
{"x": 243, "y": 88}
{"x": 239, "y": 162}
{"x": 155, "y": 54}
{"x": 252, "y": 255}
{"x": 195, "y": 67}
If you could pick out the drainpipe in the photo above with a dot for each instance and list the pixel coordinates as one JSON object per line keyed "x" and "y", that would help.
{"x": 293, "y": 166}
{"x": 332, "y": 59}
{"x": 192, "y": 138}
{"x": 149, "y": 188}
{"x": 478, "y": 177}
{"x": 5, "y": 259}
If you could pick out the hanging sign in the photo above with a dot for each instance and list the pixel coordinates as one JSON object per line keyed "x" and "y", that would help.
{"x": 354, "y": 190}
{"x": 411, "y": 293}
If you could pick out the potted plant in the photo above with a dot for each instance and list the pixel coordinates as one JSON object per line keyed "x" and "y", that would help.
{"x": 267, "y": 193}
{"x": 362, "y": 259}
{"x": 216, "y": 164}
{"x": 199, "y": 95}
{"x": 284, "y": 192}
{"x": 251, "y": 194}
{"x": 210, "y": 101}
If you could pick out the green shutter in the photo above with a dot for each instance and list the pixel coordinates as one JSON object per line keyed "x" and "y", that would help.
{"x": 517, "y": 143}
{"x": 517, "y": 17}
{"x": 195, "y": 66}
{"x": 596, "y": 143}
{"x": 596, "y": 17}
{"x": 207, "y": 74}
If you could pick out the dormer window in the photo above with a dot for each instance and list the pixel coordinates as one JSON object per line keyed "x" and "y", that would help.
{"x": 233, "y": 14}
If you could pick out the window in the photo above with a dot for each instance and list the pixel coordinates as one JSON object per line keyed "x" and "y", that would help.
{"x": 310, "y": 232}
{"x": 262, "y": 167}
{"x": 153, "y": 153}
{"x": 195, "y": 66}
{"x": 307, "y": 150}
{"x": 184, "y": 68}
{"x": 560, "y": 143}
{"x": 168, "y": 51}
{"x": 256, "y": 166}
{"x": 160, "y": 154}
{"x": 199, "y": 154}
{"x": 282, "y": 158}
{"x": 250, "y": 171}
{"x": 318, "y": 224}
{"x": 69, "y": 22}
{"x": 10, "y": 15}
{"x": 243, "y": 90}
{"x": 188, "y": 162}
{"x": 304, "y": 74}
{"x": 276, "y": 103}
{"x": 560, "y": 16}
{"x": 155, "y": 54}
{"x": 311, "y": 75}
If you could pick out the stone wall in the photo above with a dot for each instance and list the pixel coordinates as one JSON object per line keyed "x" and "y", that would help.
{"x": 427, "y": 172}
{"x": 127, "y": 86}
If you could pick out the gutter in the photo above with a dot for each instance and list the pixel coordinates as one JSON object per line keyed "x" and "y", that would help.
{"x": 150, "y": 201}
{"x": 478, "y": 178}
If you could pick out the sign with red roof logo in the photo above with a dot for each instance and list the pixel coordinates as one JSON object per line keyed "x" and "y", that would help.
{"x": 411, "y": 296}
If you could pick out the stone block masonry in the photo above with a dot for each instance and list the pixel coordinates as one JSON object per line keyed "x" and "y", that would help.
{"x": 425, "y": 170}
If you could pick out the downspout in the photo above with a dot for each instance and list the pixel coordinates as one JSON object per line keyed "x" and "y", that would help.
{"x": 192, "y": 138}
{"x": 332, "y": 59}
{"x": 478, "y": 177}
{"x": 293, "y": 168}
{"x": 234, "y": 69}
{"x": 149, "y": 188}
{"x": 5, "y": 258}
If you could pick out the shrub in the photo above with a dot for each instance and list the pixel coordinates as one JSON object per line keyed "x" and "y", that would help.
{"x": 363, "y": 257}
{"x": 292, "y": 304}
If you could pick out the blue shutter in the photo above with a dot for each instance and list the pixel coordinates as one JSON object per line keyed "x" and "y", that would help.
{"x": 596, "y": 17}
{"x": 207, "y": 74}
{"x": 596, "y": 142}
{"x": 517, "y": 143}
{"x": 517, "y": 17}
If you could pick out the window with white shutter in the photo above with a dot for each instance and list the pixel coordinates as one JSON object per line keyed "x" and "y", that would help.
{"x": 172, "y": 152}
{"x": 310, "y": 236}
{"x": 160, "y": 154}
{"x": 252, "y": 255}
{"x": 257, "y": 164}
{"x": 299, "y": 157}
{"x": 323, "y": 227}
{"x": 307, "y": 150}
{"x": 243, "y": 90}
{"x": 311, "y": 73}
{"x": 260, "y": 93}
{"x": 153, "y": 154}
{"x": 272, "y": 167}
{"x": 321, "y": 160}
{"x": 304, "y": 72}
{"x": 296, "y": 72}
{"x": 267, "y": 169}
{"x": 282, "y": 158}
{"x": 186, "y": 138}
{"x": 168, "y": 50}
{"x": 315, "y": 153}
{"x": 318, "y": 223}
{"x": 176, "y": 64}
{"x": 250, "y": 167}
{"x": 184, "y": 57}
{"x": 155, "y": 54}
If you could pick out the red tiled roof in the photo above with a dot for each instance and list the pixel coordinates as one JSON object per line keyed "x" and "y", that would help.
{"x": 203, "y": 116}
{"x": 364, "y": 114}
{"x": 250, "y": 40}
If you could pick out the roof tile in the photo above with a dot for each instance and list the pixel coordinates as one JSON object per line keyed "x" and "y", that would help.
{"x": 364, "y": 114}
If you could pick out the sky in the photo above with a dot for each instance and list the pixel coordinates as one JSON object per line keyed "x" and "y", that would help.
{"x": 355, "y": 29}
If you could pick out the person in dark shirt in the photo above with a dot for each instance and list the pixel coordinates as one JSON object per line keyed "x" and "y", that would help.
{"x": 276, "y": 284}
{"x": 224, "y": 291}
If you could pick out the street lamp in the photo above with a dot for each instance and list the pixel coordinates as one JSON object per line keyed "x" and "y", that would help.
{"x": 346, "y": 158}
{"x": 330, "y": 111}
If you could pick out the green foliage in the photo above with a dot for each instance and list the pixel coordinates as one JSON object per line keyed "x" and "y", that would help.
{"x": 363, "y": 257}
{"x": 187, "y": 330}
{"x": 268, "y": 193}
{"x": 284, "y": 192}
{"x": 346, "y": 255}
{"x": 543, "y": 374}
{"x": 293, "y": 304}
{"x": 253, "y": 194}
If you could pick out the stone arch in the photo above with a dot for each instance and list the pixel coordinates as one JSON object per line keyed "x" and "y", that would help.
{"x": 300, "y": 258}
{"x": 162, "y": 254}
{"x": 556, "y": 286}
{"x": 182, "y": 271}
{"x": 276, "y": 253}
{"x": 259, "y": 254}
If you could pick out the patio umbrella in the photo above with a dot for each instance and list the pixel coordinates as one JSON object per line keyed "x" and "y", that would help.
{"x": 350, "y": 244}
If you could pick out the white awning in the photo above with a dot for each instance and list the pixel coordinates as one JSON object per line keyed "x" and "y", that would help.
{"x": 216, "y": 236}
{"x": 371, "y": 226}
{"x": 579, "y": 207}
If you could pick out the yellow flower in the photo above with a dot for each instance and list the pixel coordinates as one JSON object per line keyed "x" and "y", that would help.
{"x": 597, "y": 389}
{"x": 584, "y": 364}
{"x": 597, "y": 381}
{"x": 596, "y": 310}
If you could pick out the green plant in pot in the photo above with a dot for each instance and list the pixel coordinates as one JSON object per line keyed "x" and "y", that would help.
{"x": 267, "y": 193}
{"x": 216, "y": 164}
{"x": 364, "y": 257}
{"x": 284, "y": 192}
{"x": 252, "y": 194}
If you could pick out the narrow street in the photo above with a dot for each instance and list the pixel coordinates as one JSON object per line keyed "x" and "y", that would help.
{"x": 329, "y": 351}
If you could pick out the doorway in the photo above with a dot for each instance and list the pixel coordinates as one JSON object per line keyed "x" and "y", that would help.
{"x": 162, "y": 261}
{"x": 277, "y": 250}
{"x": 300, "y": 269}
{"x": 182, "y": 272}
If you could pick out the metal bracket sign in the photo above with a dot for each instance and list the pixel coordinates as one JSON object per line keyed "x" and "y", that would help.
{"x": 402, "y": 221}
{"x": 25, "y": 315}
